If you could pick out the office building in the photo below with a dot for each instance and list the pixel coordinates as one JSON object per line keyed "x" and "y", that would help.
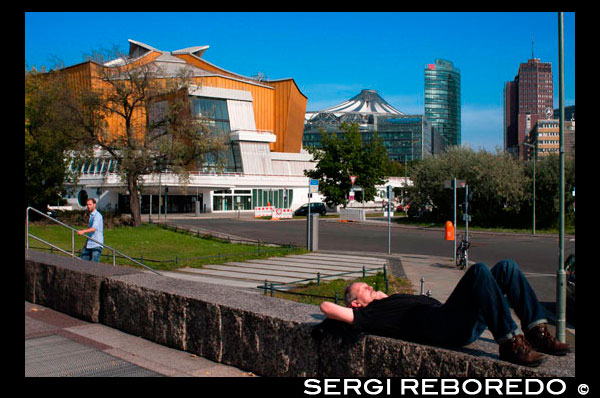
{"x": 545, "y": 135}
{"x": 443, "y": 100}
{"x": 527, "y": 99}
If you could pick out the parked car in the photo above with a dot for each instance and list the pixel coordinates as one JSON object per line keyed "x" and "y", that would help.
{"x": 316, "y": 207}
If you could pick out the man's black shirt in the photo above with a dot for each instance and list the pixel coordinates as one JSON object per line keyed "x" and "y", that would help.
{"x": 402, "y": 316}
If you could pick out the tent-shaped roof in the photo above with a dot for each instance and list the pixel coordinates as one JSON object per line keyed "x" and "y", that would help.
{"x": 367, "y": 101}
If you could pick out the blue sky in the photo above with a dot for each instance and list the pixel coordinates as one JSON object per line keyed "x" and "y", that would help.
{"x": 332, "y": 56}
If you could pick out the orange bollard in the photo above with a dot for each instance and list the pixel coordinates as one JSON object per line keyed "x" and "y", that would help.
{"x": 449, "y": 230}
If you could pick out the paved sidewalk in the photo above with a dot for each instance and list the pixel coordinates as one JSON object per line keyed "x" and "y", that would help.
{"x": 58, "y": 345}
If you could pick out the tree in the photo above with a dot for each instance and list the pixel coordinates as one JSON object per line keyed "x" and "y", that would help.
{"x": 547, "y": 190}
{"x": 496, "y": 181}
{"x": 45, "y": 139}
{"x": 141, "y": 115}
{"x": 341, "y": 157}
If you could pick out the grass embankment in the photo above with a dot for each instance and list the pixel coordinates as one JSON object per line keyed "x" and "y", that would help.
{"x": 326, "y": 291}
{"x": 160, "y": 248}
{"x": 164, "y": 249}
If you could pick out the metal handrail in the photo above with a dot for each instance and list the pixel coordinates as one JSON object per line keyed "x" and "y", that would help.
{"x": 270, "y": 286}
{"x": 73, "y": 230}
{"x": 320, "y": 277}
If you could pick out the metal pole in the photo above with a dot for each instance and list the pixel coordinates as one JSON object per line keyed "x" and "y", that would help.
{"x": 561, "y": 275}
{"x": 534, "y": 157}
{"x": 27, "y": 228}
{"x": 159, "y": 193}
{"x": 454, "y": 226}
{"x": 467, "y": 222}
{"x": 389, "y": 188}
{"x": 308, "y": 245}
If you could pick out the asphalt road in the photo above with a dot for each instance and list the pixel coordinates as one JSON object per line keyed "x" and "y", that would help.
{"x": 536, "y": 255}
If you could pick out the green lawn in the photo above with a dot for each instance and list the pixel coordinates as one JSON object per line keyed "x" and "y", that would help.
{"x": 327, "y": 289}
{"x": 160, "y": 248}
{"x": 164, "y": 249}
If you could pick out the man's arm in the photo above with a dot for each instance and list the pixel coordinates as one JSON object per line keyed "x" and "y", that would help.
{"x": 337, "y": 312}
{"x": 95, "y": 226}
{"x": 85, "y": 231}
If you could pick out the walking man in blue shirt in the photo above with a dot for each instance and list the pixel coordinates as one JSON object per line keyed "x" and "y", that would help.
{"x": 93, "y": 249}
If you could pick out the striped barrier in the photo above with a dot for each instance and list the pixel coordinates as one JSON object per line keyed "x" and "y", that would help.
{"x": 281, "y": 213}
{"x": 274, "y": 213}
{"x": 264, "y": 211}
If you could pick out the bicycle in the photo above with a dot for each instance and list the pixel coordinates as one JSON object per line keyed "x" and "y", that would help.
{"x": 461, "y": 252}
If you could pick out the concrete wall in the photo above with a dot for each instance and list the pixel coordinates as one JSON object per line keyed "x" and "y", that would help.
{"x": 265, "y": 335}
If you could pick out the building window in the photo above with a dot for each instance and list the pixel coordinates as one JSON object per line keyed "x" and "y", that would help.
{"x": 212, "y": 112}
{"x": 82, "y": 197}
{"x": 278, "y": 198}
{"x": 232, "y": 200}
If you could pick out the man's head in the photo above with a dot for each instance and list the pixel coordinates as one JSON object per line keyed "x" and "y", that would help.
{"x": 91, "y": 204}
{"x": 359, "y": 294}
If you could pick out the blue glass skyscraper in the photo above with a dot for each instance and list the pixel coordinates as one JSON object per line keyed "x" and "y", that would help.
{"x": 442, "y": 100}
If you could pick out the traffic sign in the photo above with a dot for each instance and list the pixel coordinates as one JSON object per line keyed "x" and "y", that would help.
{"x": 352, "y": 179}
{"x": 314, "y": 186}
{"x": 459, "y": 184}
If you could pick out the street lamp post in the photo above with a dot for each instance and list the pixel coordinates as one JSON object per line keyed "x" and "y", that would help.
{"x": 534, "y": 158}
{"x": 561, "y": 274}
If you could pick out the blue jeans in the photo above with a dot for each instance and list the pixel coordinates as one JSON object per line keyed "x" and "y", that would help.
{"x": 478, "y": 302}
{"x": 92, "y": 254}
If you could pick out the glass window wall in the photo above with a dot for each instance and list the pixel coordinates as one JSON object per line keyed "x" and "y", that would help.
{"x": 231, "y": 200}
{"x": 276, "y": 197}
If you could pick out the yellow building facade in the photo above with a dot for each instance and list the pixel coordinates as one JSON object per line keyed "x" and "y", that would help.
{"x": 279, "y": 106}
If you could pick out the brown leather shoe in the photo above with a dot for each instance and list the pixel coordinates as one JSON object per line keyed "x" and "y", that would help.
{"x": 543, "y": 341}
{"x": 517, "y": 350}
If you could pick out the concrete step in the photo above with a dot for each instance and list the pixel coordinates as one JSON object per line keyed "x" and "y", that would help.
{"x": 334, "y": 259}
{"x": 294, "y": 267}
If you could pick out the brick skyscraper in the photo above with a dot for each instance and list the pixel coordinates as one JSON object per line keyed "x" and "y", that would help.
{"x": 527, "y": 99}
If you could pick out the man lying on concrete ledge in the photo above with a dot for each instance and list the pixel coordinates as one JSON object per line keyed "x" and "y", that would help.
{"x": 477, "y": 302}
